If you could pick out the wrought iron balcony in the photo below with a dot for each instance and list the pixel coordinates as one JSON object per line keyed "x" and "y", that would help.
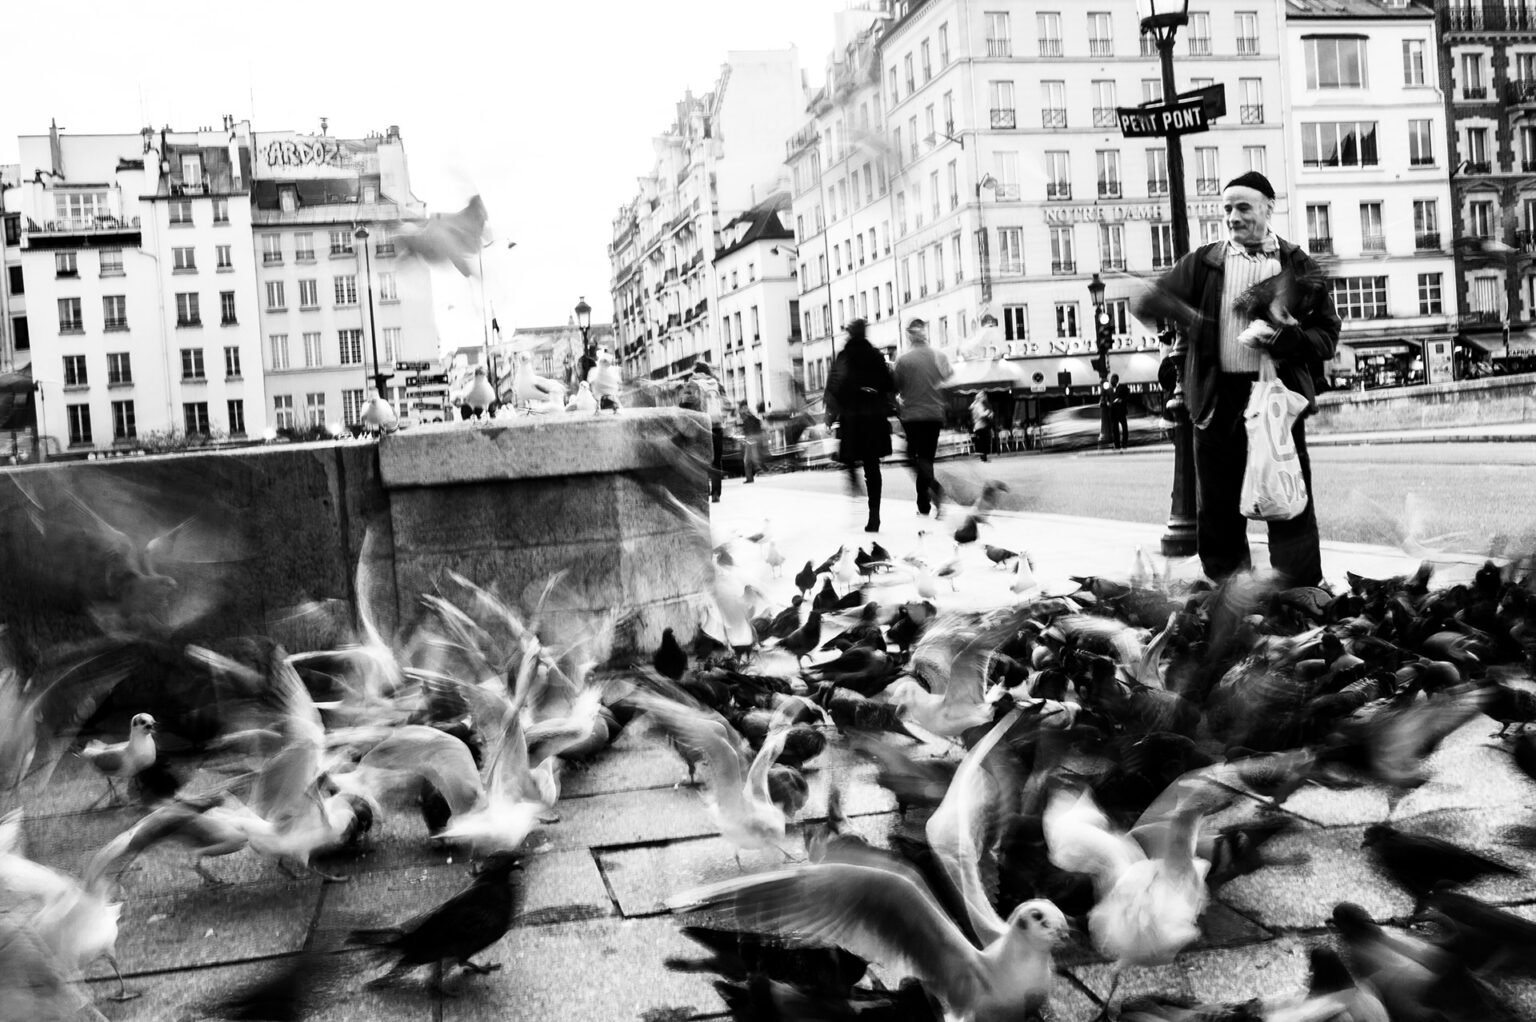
{"x": 1475, "y": 92}
{"x": 1427, "y": 241}
{"x": 1109, "y": 189}
{"x": 1207, "y": 186}
{"x": 1053, "y": 118}
{"x": 1063, "y": 267}
{"x": 1480, "y": 167}
{"x": 1004, "y": 119}
{"x": 1050, "y": 47}
{"x": 999, "y": 48}
{"x": 1101, "y": 47}
{"x": 1520, "y": 92}
{"x": 1104, "y": 117}
{"x": 1373, "y": 243}
{"x": 1526, "y": 241}
{"x": 86, "y": 225}
{"x": 1320, "y": 246}
{"x": 1252, "y": 113}
{"x": 1247, "y": 45}
{"x": 1058, "y": 190}
{"x": 1478, "y": 317}
{"x": 1509, "y": 17}
{"x": 1199, "y": 46}
{"x": 1157, "y": 186}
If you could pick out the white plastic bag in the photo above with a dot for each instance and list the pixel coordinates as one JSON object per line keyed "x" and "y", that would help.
{"x": 1273, "y": 487}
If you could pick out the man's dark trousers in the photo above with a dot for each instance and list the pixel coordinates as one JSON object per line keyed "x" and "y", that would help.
{"x": 922, "y": 447}
{"x": 1221, "y": 454}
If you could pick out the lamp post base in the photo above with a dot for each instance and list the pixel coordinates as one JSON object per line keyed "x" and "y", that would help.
{"x": 1179, "y": 535}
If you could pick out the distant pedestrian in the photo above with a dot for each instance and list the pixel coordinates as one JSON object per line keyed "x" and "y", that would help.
{"x": 919, "y": 375}
{"x": 981, "y": 424}
{"x": 752, "y": 440}
{"x": 859, "y": 395}
{"x": 1119, "y": 397}
{"x": 701, "y": 393}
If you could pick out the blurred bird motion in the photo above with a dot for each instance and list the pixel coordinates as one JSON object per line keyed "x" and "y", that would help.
{"x": 448, "y": 238}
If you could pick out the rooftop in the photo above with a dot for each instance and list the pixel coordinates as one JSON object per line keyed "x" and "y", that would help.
{"x": 1306, "y": 10}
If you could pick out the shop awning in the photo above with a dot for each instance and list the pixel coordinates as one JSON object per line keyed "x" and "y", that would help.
{"x": 993, "y": 374}
{"x": 17, "y": 410}
{"x": 1491, "y": 344}
{"x": 1382, "y": 348}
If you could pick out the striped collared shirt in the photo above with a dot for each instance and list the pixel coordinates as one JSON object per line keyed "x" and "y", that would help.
{"x": 1243, "y": 269}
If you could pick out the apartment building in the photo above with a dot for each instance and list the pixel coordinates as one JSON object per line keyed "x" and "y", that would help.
{"x": 15, "y": 341}
{"x": 758, "y": 305}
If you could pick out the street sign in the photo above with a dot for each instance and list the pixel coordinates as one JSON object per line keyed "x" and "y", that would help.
{"x": 413, "y": 367}
{"x": 1212, "y": 97}
{"x": 1158, "y": 121}
{"x": 440, "y": 379}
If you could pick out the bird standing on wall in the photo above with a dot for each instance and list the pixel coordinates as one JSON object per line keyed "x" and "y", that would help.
{"x": 479, "y": 395}
{"x": 606, "y": 381}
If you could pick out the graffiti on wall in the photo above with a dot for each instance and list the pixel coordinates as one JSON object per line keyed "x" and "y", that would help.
{"x": 288, "y": 155}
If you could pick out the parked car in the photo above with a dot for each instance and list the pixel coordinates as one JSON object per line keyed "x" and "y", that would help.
{"x": 1079, "y": 427}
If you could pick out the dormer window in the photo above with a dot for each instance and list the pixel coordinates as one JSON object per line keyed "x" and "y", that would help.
{"x": 192, "y": 170}
{"x": 288, "y": 198}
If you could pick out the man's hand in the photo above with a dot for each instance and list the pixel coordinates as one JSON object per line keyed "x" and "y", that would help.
{"x": 1259, "y": 336}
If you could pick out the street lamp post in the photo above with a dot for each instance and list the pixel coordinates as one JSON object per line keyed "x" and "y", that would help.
{"x": 1103, "y": 339}
{"x": 1162, "y": 21}
{"x": 380, "y": 409}
{"x": 588, "y": 356}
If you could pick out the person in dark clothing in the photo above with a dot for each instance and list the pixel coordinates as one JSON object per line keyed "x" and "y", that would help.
{"x": 859, "y": 399}
{"x": 752, "y": 441}
{"x": 1119, "y": 423}
{"x": 1222, "y": 364}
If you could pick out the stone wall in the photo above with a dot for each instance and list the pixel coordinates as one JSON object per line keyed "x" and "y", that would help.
{"x": 1491, "y": 401}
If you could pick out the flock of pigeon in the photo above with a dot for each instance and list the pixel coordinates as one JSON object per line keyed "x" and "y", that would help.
{"x": 1063, "y": 767}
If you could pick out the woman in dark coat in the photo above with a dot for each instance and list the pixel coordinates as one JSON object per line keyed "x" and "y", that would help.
{"x": 859, "y": 396}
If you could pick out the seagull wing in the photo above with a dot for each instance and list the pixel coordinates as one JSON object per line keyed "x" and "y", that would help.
{"x": 1080, "y": 841}
{"x": 874, "y": 913}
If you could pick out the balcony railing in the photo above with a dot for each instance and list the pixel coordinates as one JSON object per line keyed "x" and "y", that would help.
{"x": 271, "y": 258}
{"x": 1157, "y": 186}
{"x": 1008, "y": 193}
{"x": 1475, "y": 92}
{"x": 1481, "y": 167}
{"x": 1053, "y": 118}
{"x": 1421, "y": 161}
{"x": 88, "y": 225}
{"x": 999, "y": 48}
{"x": 1247, "y": 45}
{"x": 1101, "y": 47}
{"x": 1427, "y": 241}
{"x": 1062, "y": 267}
{"x": 1004, "y": 119}
{"x": 1521, "y": 92}
{"x": 1320, "y": 246}
{"x": 1109, "y": 189}
{"x": 1526, "y": 240}
{"x": 1478, "y": 317}
{"x": 1104, "y": 117}
{"x": 1050, "y": 47}
{"x": 1199, "y": 46}
{"x": 384, "y": 248}
{"x": 1373, "y": 243}
{"x": 1252, "y": 113}
{"x": 1112, "y": 263}
{"x": 1058, "y": 189}
{"x": 1207, "y": 186}
{"x": 1148, "y": 46}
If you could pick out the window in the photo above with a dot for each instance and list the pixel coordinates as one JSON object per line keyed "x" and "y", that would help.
{"x": 282, "y": 411}
{"x": 906, "y": 64}
{"x": 1360, "y": 297}
{"x": 18, "y": 281}
{"x": 276, "y": 299}
{"x": 181, "y": 212}
{"x": 1010, "y": 251}
{"x": 1429, "y": 295}
{"x": 69, "y": 316}
{"x": 194, "y": 416}
{"x": 314, "y": 409}
{"x": 869, "y": 184}
{"x": 79, "y": 424}
{"x": 111, "y": 262}
{"x": 1199, "y": 34}
{"x": 1252, "y": 109}
{"x": 279, "y": 344}
{"x": 236, "y": 412}
{"x": 21, "y": 333}
{"x": 114, "y": 312}
{"x": 1157, "y": 172}
{"x": 351, "y": 346}
{"x": 1001, "y": 95}
{"x": 1015, "y": 322}
{"x": 1063, "y": 257}
{"x": 1480, "y": 219}
{"x": 352, "y": 406}
{"x": 231, "y": 362}
{"x": 1247, "y": 32}
{"x": 346, "y": 290}
{"x": 1162, "y": 246}
{"x": 1372, "y": 238}
{"x": 944, "y": 45}
{"x": 312, "y": 352}
{"x": 1335, "y": 63}
{"x": 119, "y": 368}
{"x": 938, "y": 269}
{"x": 271, "y": 249}
{"x": 901, "y": 216}
{"x": 1338, "y": 144}
{"x": 933, "y": 196}
{"x": 1109, "y": 173}
{"x": 1006, "y": 176}
{"x": 1413, "y": 62}
{"x": 1048, "y": 24}
{"x": 74, "y": 371}
{"x": 1426, "y": 224}
{"x": 957, "y": 252}
{"x": 1104, "y": 104}
{"x": 287, "y": 198}
{"x": 187, "y": 309}
{"x": 1421, "y": 145}
{"x": 391, "y": 343}
{"x": 387, "y": 291}
{"x": 1212, "y": 231}
{"x": 309, "y": 294}
{"x": 304, "y": 247}
{"x": 927, "y": 62}
{"x": 124, "y": 423}
{"x": 1477, "y": 150}
{"x": 1112, "y": 246}
{"x": 227, "y": 308}
{"x": 1472, "y": 86}
{"x": 895, "y": 88}
{"x": 192, "y": 364}
{"x": 64, "y": 265}
{"x": 1058, "y": 174}
{"x": 1207, "y": 177}
{"x": 221, "y": 211}
{"x": 1053, "y": 104}
{"x": 1319, "y": 230}
{"x": 1066, "y": 320}
{"x": 1151, "y": 90}
{"x": 341, "y": 243}
{"x": 1257, "y": 158}
{"x": 1101, "y": 41}
{"x": 999, "y": 36}
{"x": 224, "y": 257}
{"x": 1527, "y": 148}
{"x": 952, "y": 175}
{"x": 13, "y": 229}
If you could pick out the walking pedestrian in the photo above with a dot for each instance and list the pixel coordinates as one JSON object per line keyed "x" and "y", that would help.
{"x": 701, "y": 393}
{"x": 752, "y": 440}
{"x": 981, "y": 424}
{"x": 1119, "y": 409}
{"x": 920, "y": 371}
{"x": 859, "y": 396}
{"x": 1222, "y": 364}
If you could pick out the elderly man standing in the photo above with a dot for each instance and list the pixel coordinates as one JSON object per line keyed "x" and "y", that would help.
{"x": 919, "y": 373}
{"x": 1225, "y": 349}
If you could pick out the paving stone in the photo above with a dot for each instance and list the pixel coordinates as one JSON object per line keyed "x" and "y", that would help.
{"x": 339, "y": 993}
{"x": 634, "y": 761}
{"x": 1134, "y": 981}
{"x": 643, "y": 878}
{"x": 1303, "y": 894}
{"x": 854, "y": 778}
{"x": 1468, "y": 772}
{"x": 385, "y": 897}
{"x": 626, "y": 818}
{"x": 1329, "y": 807}
{"x": 596, "y": 971}
{"x": 1483, "y": 831}
{"x": 1277, "y": 968}
{"x": 204, "y": 926}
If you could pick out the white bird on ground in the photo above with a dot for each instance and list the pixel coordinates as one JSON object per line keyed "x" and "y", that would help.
{"x": 537, "y": 392}
{"x": 124, "y": 760}
{"x": 583, "y": 401}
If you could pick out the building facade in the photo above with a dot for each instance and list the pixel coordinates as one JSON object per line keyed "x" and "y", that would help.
{"x": 1487, "y": 73}
{"x": 758, "y": 305}
{"x": 15, "y": 341}
{"x": 720, "y": 156}
{"x": 331, "y": 301}
{"x": 1371, "y": 191}
{"x": 137, "y": 266}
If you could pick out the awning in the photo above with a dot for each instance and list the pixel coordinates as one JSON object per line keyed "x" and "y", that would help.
{"x": 993, "y": 374}
{"x": 1491, "y": 344}
{"x": 1382, "y": 348}
{"x": 17, "y": 408}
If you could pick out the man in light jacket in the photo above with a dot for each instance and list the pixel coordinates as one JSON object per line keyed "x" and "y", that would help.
{"x": 919, "y": 375}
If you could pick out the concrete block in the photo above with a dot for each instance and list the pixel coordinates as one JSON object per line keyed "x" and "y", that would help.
{"x": 205, "y": 926}
{"x": 1275, "y": 969}
{"x": 635, "y": 817}
{"x": 1302, "y": 895}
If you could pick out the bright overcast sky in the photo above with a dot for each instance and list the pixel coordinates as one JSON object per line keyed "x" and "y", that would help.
{"x": 547, "y": 109}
